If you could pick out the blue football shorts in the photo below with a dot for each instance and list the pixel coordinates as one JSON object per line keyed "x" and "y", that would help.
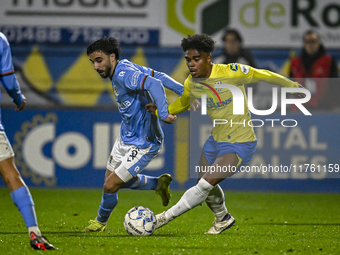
{"x": 244, "y": 151}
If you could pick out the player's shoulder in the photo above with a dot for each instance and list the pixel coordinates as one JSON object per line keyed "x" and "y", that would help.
{"x": 187, "y": 82}
{"x": 127, "y": 66}
{"x": 232, "y": 70}
{"x": 124, "y": 64}
{"x": 3, "y": 40}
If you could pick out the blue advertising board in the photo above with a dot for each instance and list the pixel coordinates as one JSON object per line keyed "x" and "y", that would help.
{"x": 69, "y": 148}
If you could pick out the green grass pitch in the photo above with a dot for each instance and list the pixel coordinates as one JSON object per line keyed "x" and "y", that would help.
{"x": 266, "y": 223}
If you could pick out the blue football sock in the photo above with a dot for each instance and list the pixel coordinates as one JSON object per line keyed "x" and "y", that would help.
{"x": 108, "y": 203}
{"x": 23, "y": 200}
{"x": 144, "y": 182}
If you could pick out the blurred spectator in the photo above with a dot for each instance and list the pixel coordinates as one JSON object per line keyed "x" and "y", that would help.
{"x": 314, "y": 62}
{"x": 233, "y": 51}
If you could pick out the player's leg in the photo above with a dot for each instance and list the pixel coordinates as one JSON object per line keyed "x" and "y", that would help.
{"x": 215, "y": 199}
{"x": 20, "y": 194}
{"x": 109, "y": 200}
{"x": 160, "y": 184}
{"x": 199, "y": 193}
{"x": 131, "y": 154}
{"x": 122, "y": 171}
{"x": 146, "y": 182}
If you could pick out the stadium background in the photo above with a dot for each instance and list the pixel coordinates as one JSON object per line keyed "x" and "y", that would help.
{"x": 64, "y": 136}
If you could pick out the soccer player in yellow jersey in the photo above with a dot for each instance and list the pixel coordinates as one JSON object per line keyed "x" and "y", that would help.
{"x": 228, "y": 145}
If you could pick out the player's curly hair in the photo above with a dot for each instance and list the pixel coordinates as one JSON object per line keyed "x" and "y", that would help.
{"x": 199, "y": 42}
{"x": 108, "y": 45}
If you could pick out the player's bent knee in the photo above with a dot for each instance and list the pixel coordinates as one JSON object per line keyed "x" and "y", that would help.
{"x": 111, "y": 187}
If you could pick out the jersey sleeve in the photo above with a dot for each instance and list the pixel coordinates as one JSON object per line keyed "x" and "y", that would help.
{"x": 169, "y": 82}
{"x": 182, "y": 103}
{"x": 7, "y": 76}
{"x": 6, "y": 63}
{"x": 273, "y": 78}
{"x": 135, "y": 80}
{"x": 157, "y": 93}
{"x": 244, "y": 74}
{"x": 166, "y": 80}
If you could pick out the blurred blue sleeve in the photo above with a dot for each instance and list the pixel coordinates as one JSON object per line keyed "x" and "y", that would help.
{"x": 12, "y": 87}
{"x": 169, "y": 82}
{"x": 157, "y": 92}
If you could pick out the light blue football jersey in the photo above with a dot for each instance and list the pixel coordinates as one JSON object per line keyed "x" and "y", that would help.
{"x": 130, "y": 84}
{"x": 7, "y": 77}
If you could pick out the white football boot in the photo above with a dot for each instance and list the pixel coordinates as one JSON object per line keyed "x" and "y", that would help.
{"x": 161, "y": 220}
{"x": 217, "y": 227}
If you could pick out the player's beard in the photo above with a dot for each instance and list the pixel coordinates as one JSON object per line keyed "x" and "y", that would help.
{"x": 104, "y": 73}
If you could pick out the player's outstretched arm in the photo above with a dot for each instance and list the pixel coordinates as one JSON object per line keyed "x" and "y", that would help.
{"x": 169, "y": 83}
{"x": 157, "y": 93}
{"x": 152, "y": 108}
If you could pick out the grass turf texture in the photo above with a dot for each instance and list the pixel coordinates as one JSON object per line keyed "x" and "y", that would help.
{"x": 266, "y": 223}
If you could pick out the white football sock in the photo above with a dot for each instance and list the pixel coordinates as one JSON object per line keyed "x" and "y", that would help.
{"x": 35, "y": 230}
{"x": 215, "y": 201}
{"x": 191, "y": 198}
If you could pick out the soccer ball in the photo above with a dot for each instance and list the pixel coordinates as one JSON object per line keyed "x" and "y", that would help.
{"x": 140, "y": 221}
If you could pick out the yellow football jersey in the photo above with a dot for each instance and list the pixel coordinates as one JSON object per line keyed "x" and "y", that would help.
{"x": 220, "y": 101}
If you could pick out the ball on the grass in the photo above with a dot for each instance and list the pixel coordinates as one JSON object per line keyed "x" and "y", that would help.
{"x": 140, "y": 221}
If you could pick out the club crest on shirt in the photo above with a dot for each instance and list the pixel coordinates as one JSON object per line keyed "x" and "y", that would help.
{"x": 234, "y": 67}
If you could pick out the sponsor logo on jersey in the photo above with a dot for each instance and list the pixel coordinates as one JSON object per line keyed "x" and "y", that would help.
{"x": 124, "y": 104}
{"x": 244, "y": 69}
{"x": 115, "y": 91}
{"x": 234, "y": 67}
{"x": 135, "y": 79}
{"x": 121, "y": 74}
{"x": 212, "y": 104}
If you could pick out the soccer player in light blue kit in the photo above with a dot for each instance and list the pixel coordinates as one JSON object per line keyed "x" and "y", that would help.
{"x": 141, "y": 136}
{"x": 19, "y": 192}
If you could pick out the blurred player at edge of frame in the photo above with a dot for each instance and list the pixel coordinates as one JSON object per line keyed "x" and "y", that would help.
{"x": 141, "y": 136}
{"x": 20, "y": 193}
{"x": 227, "y": 146}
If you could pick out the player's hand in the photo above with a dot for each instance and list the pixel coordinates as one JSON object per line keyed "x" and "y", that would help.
{"x": 170, "y": 119}
{"x": 151, "y": 108}
{"x": 300, "y": 95}
{"x": 22, "y": 106}
{"x": 195, "y": 105}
